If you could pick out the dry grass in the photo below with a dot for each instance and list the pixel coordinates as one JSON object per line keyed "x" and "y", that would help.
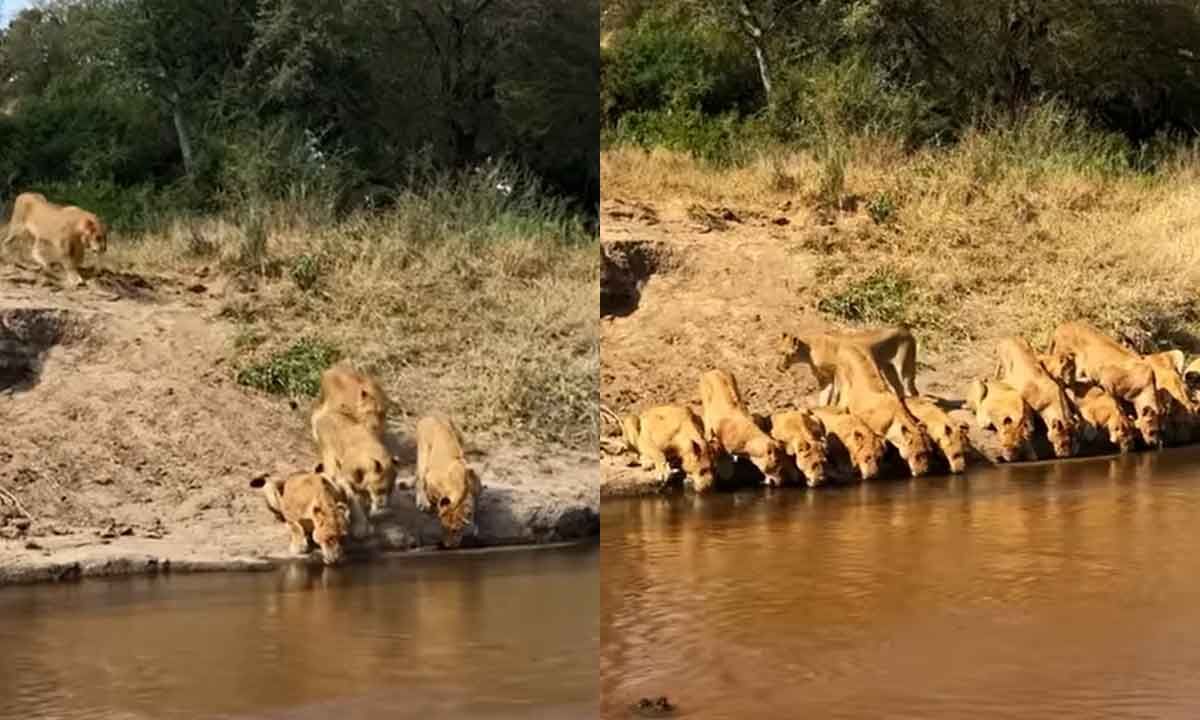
{"x": 988, "y": 240}
{"x": 492, "y": 322}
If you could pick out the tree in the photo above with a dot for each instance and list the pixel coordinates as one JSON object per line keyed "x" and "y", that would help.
{"x": 180, "y": 52}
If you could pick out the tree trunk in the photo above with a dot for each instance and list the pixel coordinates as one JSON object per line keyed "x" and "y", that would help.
{"x": 185, "y": 140}
{"x": 764, "y": 69}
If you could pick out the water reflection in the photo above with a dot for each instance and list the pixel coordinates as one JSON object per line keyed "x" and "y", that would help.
{"x": 491, "y": 635}
{"x": 1019, "y": 591}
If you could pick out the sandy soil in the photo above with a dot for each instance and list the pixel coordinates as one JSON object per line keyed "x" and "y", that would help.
{"x": 687, "y": 288}
{"x": 125, "y": 445}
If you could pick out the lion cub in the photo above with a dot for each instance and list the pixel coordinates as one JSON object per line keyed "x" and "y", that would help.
{"x": 360, "y": 463}
{"x": 727, "y": 422}
{"x": 848, "y": 437}
{"x": 444, "y": 481}
{"x": 998, "y": 407}
{"x": 314, "y": 509}
{"x": 354, "y": 394}
{"x": 1174, "y": 400}
{"x": 1101, "y": 412}
{"x": 864, "y": 392}
{"x": 59, "y": 233}
{"x": 949, "y": 436}
{"x": 803, "y": 437}
{"x": 1117, "y": 369}
{"x": 668, "y": 432}
{"x": 1020, "y": 368}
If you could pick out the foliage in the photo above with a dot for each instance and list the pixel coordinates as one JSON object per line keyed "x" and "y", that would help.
{"x": 295, "y": 372}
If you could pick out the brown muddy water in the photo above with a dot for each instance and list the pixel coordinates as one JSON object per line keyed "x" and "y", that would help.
{"x": 501, "y": 635}
{"x": 1053, "y": 590}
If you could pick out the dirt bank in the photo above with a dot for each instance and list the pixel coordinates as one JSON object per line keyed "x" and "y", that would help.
{"x": 127, "y": 446}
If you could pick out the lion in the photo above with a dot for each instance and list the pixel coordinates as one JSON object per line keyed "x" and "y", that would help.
{"x": 894, "y": 350}
{"x": 353, "y": 393}
{"x": 444, "y": 480}
{"x": 866, "y": 394}
{"x": 1192, "y": 375}
{"x": 1100, "y": 411}
{"x": 727, "y": 423}
{"x": 59, "y": 233}
{"x": 951, "y": 437}
{"x": 803, "y": 437}
{"x": 1174, "y": 400}
{"x": 1117, "y": 369}
{"x": 1060, "y": 367}
{"x": 1019, "y": 368}
{"x": 999, "y": 408}
{"x": 669, "y": 433}
{"x": 314, "y": 509}
{"x": 849, "y": 439}
{"x": 360, "y": 463}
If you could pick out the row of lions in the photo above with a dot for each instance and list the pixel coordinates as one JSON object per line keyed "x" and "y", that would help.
{"x": 355, "y": 476}
{"x": 60, "y": 234}
{"x": 1086, "y": 391}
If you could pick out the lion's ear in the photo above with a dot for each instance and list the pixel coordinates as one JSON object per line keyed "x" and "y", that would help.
{"x": 395, "y": 459}
{"x": 319, "y": 469}
{"x": 365, "y": 394}
{"x": 378, "y": 466}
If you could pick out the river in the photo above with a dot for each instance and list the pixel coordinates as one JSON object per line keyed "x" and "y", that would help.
{"x": 490, "y": 635}
{"x": 1067, "y": 589}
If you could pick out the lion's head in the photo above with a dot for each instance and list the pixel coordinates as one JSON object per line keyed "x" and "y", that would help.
{"x": 331, "y": 521}
{"x": 456, "y": 510}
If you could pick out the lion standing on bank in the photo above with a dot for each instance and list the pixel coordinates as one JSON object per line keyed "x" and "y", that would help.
{"x": 59, "y": 233}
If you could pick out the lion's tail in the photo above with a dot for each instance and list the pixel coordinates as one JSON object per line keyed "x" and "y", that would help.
{"x": 272, "y": 490}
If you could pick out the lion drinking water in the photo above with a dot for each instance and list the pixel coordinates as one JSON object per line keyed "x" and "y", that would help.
{"x": 314, "y": 509}
{"x": 444, "y": 481}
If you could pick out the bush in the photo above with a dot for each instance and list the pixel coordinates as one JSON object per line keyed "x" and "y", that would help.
{"x": 663, "y": 64}
{"x": 850, "y": 97}
{"x": 883, "y": 297}
{"x": 295, "y": 372}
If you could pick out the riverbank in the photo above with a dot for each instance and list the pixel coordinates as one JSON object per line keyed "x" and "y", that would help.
{"x": 129, "y": 445}
{"x": 704, "y": 267}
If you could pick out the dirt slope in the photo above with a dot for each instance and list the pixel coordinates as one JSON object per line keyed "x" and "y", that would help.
{"x": 688, "y": 288}
{"x": 125, "y": 445}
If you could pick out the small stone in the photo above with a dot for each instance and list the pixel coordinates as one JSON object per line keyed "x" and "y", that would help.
{"x": 20, "y": 523}
{"x": 31, "y": 545}
{"x": 781, "y": 221}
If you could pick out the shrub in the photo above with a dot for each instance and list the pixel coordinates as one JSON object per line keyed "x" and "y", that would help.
{"x": 293, "y": 372}
{"x": 882, "y": 297}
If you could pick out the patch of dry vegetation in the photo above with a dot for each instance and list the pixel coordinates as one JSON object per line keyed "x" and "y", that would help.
{"x": 1005, "y": 232}
{"x": 462, "y": 302}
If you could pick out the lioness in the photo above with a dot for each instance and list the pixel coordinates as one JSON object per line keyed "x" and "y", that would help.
{"x": 314, "y": 509}
{"x": 1020, "y": 369}
{"x": 847, "y": 436}
{"x": 354, "y": 394}
{"x": 803, "y": 437}
{"x": 1101, "y": 412}
{"x": 728, "y": 423}
{"x": 665, "y": 433}
{"x": 59, "y": 233}
{"x": 1117, "y": 369}
{"x": 360, "y": 463}
{"x": 999, "y": 408}
{"x": 444, "y": 481}
{"x": 950, "y": 436}
{"x": 893, "y": 349}
{"x": 864, "y": 392}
